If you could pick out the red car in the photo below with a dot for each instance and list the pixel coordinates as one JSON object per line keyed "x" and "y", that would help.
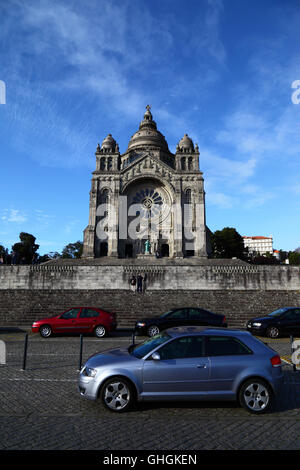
{"x": 77, "y": 320}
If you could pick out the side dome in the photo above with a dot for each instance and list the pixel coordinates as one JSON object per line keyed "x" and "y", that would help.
{"x": 109, "y": 143}
{"x": 186, "y": 143}
{"x": 148, "y": 135}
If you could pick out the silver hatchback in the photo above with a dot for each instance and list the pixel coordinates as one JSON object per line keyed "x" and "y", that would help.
{"x": 186, "y": 363}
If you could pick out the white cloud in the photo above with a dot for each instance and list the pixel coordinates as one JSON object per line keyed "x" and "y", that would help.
{"x": 14, "y": 216}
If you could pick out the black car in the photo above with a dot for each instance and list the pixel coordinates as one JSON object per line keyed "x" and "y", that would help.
{"x": 281, "y": 322}
{"x": 179, "y": 317}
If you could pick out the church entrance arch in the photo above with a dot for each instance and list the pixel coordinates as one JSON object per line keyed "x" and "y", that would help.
{"x": 103, "y": 249}
{"x": 165, "y": 250}
{"x": 149, "y": 220}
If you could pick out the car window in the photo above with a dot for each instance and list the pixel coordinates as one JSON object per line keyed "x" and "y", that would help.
{"x": 88, "y": 313}
{"x": 226, "y": 346}
{"x": 277, "y": 313}
{"x": 293, "y": 314}
{"x": 178, "y": 314}
{"x": 195, "y": 313}
{"x": 181, "y": 348}
{"x": 70, "y": 313}
{"x": 140, "y": 350}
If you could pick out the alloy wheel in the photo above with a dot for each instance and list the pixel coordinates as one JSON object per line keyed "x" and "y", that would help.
{"x": 100, "y": 331}
{"x": 153, "y": 330}
{"x": 45, "y": 331}
{"x": 273, "y": 332}
{"x": 256, "y": 397}
{"x": 116, "y": 395}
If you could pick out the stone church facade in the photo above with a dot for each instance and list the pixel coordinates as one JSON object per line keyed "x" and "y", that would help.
{"x": 146, "y": 202}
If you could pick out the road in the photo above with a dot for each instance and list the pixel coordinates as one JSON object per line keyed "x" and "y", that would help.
{"x": 40, "y": 408}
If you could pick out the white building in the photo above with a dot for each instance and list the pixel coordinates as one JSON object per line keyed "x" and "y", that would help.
{"x": 259, "y": 245}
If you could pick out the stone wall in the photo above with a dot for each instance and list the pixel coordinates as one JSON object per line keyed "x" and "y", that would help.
{"x": 21, "y": 307}
{"x": 159, "y": 277}
{"x": 240, "y": 292}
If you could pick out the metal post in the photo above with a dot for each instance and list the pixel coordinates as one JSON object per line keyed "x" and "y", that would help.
{"x": 80, "y": 353}
{"x": 25, "y": 351}
{"x": 133, "y": 336}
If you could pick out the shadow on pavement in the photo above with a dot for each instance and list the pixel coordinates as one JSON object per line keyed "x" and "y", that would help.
{"x": 11, "y": 329}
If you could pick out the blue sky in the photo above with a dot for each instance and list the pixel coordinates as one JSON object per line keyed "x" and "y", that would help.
{"x": 220, "y": 71}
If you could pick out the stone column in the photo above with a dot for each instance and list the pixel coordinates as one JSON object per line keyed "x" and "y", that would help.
{"x": 89, "y": 232}
{"x": 113, "y": 243}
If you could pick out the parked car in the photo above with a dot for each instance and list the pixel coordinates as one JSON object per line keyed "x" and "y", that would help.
{"x": 284, "y": 321}
{"x": 179, "y": 317}
{"x": 77, "y": 320}
{"x": 185, "y": 363}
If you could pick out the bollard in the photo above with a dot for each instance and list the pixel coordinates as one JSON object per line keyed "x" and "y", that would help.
{"x": 80, "y": 353}
{"x": 25, "y": 351}
{"x": 133, "y": 337}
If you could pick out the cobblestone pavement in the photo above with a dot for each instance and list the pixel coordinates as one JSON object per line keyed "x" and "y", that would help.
{"x": 40, "y": 407}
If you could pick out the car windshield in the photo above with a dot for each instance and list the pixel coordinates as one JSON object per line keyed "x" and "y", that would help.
{"x": 140, "y": 350}
{"x": 278, "y": 312}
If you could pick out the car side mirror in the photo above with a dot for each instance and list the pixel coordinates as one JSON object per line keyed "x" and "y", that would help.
{"x": 155, "y": 356}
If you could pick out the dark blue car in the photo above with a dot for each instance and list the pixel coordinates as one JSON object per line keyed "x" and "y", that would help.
{"x": 282, "y": 322}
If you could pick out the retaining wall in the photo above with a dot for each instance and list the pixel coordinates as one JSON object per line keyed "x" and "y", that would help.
{"x": 28, "y": 293}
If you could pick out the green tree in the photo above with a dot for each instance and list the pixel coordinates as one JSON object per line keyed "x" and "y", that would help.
{"x": 3, "y": 254}
{"x": 73, "y": 250}
{"x": 26, "y": 249}
{"x": 294, "y": 258}
{"x": 228, "y": 243}
{"x": 268, "y": 259}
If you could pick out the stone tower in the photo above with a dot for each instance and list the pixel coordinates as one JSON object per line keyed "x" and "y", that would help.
{"x": 147, "y": 201}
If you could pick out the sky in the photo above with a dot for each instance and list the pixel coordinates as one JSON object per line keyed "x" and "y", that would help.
{"x": 72, "y": 71}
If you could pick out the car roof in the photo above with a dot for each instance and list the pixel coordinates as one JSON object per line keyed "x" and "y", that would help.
{"x": 207, "y": 330}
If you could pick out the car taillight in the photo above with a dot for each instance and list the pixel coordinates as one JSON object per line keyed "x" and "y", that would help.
{"x": 276, "y": 361}
{"x": 224, "y": 320}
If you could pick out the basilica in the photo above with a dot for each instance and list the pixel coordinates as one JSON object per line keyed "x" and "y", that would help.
{"x": 146, "y": 202}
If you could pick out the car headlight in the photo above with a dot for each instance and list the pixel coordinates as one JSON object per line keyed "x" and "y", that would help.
{"x": 89, "y": 372}
{"x": 140, "y": 323}
{"x": 256, "y": 324}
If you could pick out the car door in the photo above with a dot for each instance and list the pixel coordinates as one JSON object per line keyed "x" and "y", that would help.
{"x": 228, "y": 358}
{"x": 87, "y": 320}
{"x": 290, "y": 322}
{"x": 182, "y": 370}
{"x": 197, "y": 316}
{"x": 175, "y": 318}
{"x": 67, "y": 322}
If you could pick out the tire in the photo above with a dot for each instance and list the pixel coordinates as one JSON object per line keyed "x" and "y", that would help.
{"x": 153, "y": 330}
{"x": 117, "y": 394}
{"x": 256, "y": 396}
{"x": 272, "y": 332}
{"x": 45, "y": 331}
{"x": 100, "y": 331}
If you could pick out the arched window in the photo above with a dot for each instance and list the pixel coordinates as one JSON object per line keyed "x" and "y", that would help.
{"x": 183, "y": 163}
{"x": 190, "y": 163}
{"x": 105, "y": 196}
{"x": 102, "y": 164}
{"x": 188, "y": 211}
{"x": 188, "y": 196}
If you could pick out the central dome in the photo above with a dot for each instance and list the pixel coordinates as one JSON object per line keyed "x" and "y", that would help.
{"x": 148, "y": 135}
